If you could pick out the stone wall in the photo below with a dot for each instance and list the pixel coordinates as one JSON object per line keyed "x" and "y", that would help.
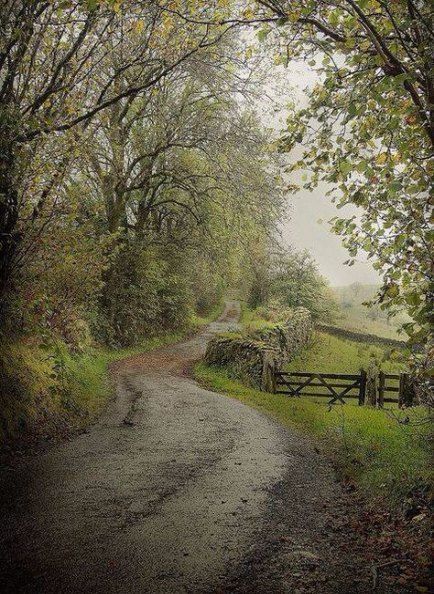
{"x": 361, "y": 336}
{"x": 254, "y": 357}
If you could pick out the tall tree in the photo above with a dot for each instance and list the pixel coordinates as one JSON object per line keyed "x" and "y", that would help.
{"x": 62, "y": 64}
{"x": 369, "y": 130}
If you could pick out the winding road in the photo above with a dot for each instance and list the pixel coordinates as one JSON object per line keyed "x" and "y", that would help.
{"x": 176, "y": 489}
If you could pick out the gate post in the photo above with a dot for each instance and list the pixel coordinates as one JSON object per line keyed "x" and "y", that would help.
{"x": 273, "y": 377}
{"x": 372, "y": 383}
{"x": 381, "y": 388}
{"x": 362, "y": 387}
{"x": 268, "y": 380}
{"x": 406, "y": 390}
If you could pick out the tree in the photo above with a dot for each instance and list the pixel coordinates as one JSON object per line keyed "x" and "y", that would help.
{"x": 296, "y": 282}
{"x": 369, "y": 131}
{"x": 62, "y": 64}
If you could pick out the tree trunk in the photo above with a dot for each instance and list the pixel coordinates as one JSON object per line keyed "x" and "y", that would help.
{"x": 10, "y": 236}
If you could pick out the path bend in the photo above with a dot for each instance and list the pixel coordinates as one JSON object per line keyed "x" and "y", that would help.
{"x": 176, "y": 489}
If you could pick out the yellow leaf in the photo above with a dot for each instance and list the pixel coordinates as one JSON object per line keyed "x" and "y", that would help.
{"x": 381, "y": 159}
{"x": 293, "y": 15}
{"x": 138, "y": 27}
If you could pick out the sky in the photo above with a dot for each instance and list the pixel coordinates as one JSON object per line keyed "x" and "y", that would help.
{"x": 308, "y": 212}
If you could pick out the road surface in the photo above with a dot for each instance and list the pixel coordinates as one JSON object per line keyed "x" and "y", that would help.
{"x": 176, "y": 489}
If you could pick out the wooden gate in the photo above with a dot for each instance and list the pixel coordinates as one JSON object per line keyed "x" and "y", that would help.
{"x": 390, "y": 383}
{"x": 335, "y": 386}
{"x": 388, "y": 387}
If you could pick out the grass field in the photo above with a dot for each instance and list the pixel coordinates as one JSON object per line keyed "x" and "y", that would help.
{"x": 357, "y": 318}
{"x": 336, "y": 355}
{"x": 330, "y": 354}
{"x": 353, "y": 315}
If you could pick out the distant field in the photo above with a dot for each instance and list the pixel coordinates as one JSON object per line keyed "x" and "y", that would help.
{"x": 353, "y": 315}
{"x": 331, "y": 354}
{"x": 356, "y": 318}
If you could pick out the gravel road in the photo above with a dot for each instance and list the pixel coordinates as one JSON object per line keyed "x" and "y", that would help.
{"x": 176, "y": 489}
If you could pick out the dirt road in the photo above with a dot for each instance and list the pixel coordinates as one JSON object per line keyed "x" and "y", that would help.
{"x": 176, "y": 489}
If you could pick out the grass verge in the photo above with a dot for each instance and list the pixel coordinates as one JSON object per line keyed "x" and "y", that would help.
{"x": 385, "y": 458}
{"x": 50, "y": 392}
{"x": 88, "y": 384}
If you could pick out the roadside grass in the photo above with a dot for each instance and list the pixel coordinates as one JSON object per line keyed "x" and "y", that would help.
{"x": 44, "y": 390}
{"x": 87, "y": 379}
{"x": 251, "y": 319}
{"x": 370, "y": 448}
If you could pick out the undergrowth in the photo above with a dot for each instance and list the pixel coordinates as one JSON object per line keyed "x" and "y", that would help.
{"x": 44, "y": 391}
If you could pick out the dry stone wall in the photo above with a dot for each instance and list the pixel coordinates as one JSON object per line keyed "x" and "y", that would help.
{"x": 253, "y": 358}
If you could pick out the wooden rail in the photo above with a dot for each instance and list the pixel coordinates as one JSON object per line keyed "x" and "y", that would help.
{"x": 385, "y": 388}
{"x": 346, "y": 385}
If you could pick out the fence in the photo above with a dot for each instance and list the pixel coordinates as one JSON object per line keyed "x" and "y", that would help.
{"x": 390, "y": 387}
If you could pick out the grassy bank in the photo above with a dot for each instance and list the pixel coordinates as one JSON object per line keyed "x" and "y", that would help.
{"x": 383, "y": 457}
{"x": 45, "y": 392}
{"x": 336, "y": 355}
{"x": 87, "y": 377}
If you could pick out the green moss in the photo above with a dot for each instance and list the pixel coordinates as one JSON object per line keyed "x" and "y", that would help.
{"x": 386, "y": 458}
{"x": 24, "y": 383}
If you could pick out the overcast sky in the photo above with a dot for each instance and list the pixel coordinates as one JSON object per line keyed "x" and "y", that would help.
{"x": 307, "y": 227}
